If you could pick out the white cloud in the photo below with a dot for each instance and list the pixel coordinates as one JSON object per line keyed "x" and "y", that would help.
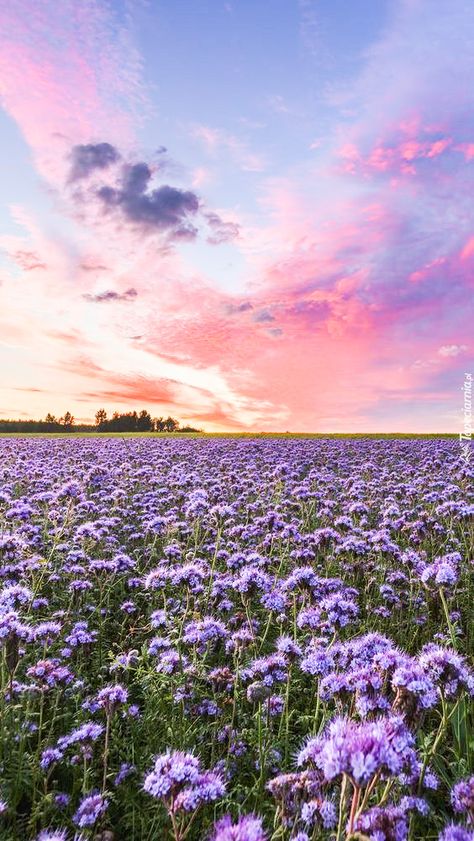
{"x": 452, "y": 350}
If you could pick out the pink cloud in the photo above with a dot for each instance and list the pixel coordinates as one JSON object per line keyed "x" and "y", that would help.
{"x": 468, "y": 250}
{"x": 67, "y": 70}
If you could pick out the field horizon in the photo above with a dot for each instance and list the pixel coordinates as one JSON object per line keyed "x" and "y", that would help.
{"x": 282, "y": 435}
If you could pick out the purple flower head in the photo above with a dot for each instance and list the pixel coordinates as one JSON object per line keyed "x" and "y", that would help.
{"x": 456, "y": 833}
{"x": 46, "y": 632}
{"x": 14, "y": 595}
{"x": 111, "y": 696}
{"x": 91, "y": 808}
{"x": 158, "y": 619}
{"x": 270, "y": 670}
{"x": 12, "y": 626}
{"x": 80, "y": 635}
{"x": 177, "y": 778}
{"x": 62, "y": 799}
{"x": 124, "y": 771}
{"x": 84, "y": 734}
{"x": 317, "y": 660}
{"x": 462, "y": 797}
{"x": 288, "y": 647}
{"x": 360, "y": 750}
{"x": 447, "y": 669}
{"x": 204, "y": 632}
{"x": 245, "y": 828}
{"x": 414, "y": 688}
{"x": 126, "y": 660}
{"x": 50, "y": 673}
{"x": 388, "y": 823}
{"x": 49, "y": 757}
{"x": 443, "y": 572}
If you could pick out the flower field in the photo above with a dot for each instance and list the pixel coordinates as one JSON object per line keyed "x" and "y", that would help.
{"x": 236, "y": 640}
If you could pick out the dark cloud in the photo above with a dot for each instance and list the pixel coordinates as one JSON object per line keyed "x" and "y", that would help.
{"x": 185, "y": 233}
{"x": 263, "y": 316}
{"x": 221, "y": 231}
{"x": 133, "y": 196}
{"x": 235, "y": 309}
{"x": 110, "y": 295}
{"x": 91, "y": 156}
{"x": 165, "y": 208}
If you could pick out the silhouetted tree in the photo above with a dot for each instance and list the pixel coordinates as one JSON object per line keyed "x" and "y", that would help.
{"x": 171, "y": 424}
{"x": 100, "y": 418}
{"x": 67, "y": 421}
{"x": 144, "y": 422}
{"x": 119, "y": 422}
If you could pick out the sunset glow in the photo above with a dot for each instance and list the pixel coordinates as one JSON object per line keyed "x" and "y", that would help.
{"x": 250, "y": 221}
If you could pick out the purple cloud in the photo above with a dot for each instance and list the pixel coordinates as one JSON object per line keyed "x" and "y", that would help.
{"x": 111, "y": 295}
{"x": 86, "y": 158}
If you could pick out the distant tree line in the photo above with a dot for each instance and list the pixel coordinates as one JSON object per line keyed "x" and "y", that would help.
{"x": 118, "y": 422}
{"x": 138, "y": 422}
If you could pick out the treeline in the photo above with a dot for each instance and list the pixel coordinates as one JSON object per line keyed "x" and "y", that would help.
{"x": 118, "y": 422}
{"x": 138, "y": 422}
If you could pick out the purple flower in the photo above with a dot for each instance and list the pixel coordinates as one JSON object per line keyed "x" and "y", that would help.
{"x": 388, "y": 823}
{"x": 80, "y": 635}
{"x": 46, "y": 632}
{"x": 49, "y": 757}
{"x": 447, "y": 669}
{"x": 91, "y": 808}
{"x": 288, "y": 647}
{"x": 177, "y": 778}
{"x": 456, "y": 833}
{"x": 205, "y": 631}
{"x": 62, "y": 799}
{"x": 49, "y": 673}
{"x": 415, "y": 690}
{"x": 124, "y": 771}
{"x": 360, "y": 750}
{"x": 269, "y": 670}
{"x": 246, "y": 828}
{"x": 317, "y": 661}
{"x": 111, "y": 696}
{"x": 88, "y": 732}
{"x": 443, "y": 571}
{"x": 462, "y": 797}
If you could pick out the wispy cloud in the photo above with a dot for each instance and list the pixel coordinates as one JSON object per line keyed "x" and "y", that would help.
{"x": 216, "y": 141}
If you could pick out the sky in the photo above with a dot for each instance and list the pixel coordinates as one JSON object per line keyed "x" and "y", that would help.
{"x": 250, "y": 215}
